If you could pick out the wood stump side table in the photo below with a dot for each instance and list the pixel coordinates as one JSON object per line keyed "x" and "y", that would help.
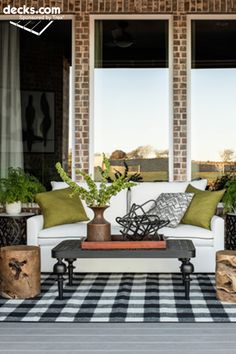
{"x": 19, "y": 272}
{"x": 226, "y": 276}
{"x": 13, "y": 228}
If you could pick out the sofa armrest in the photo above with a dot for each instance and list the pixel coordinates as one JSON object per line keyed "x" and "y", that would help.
{"x": 217, "y": 226}
{"x": 34, "y": 226}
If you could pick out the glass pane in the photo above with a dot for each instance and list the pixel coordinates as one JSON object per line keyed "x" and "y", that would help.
{"x": 213, "y": 108}
{"x": 131, "y": 106}
{"x": 131, "y": 115}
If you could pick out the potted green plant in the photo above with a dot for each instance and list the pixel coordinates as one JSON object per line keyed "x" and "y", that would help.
{"x": 18, "y": 187}
{"x": 221, "y": 181}
{"x": 97, "y": 197}
{"x": 230, "y": 197}
{"x": 230, "y": 210}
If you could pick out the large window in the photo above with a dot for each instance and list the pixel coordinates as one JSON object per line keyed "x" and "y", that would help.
{"x": 213, "y": 104}
{"x": 34, "y": 97}
{"x": 131, "y": 96}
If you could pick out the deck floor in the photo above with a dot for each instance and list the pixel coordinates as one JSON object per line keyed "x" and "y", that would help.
{"x": 140, "y": 338}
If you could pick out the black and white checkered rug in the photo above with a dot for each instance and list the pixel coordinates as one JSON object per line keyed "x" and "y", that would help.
{"x": 122, "y": 298}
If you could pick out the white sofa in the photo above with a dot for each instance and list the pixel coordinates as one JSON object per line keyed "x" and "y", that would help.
{"x": 207, "y": 242}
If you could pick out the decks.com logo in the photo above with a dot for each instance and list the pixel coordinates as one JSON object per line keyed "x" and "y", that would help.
{"x": 26, "y": 10}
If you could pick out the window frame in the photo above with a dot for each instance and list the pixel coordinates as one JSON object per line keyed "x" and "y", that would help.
{"x": 189, "y": 68}
{"x": 93, "y": 18}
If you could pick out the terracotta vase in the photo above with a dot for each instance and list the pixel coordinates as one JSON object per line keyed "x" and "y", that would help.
{"x": 98, "y": 229}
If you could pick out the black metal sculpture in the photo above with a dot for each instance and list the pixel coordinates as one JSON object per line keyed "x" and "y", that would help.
{"x": 138, "y": 224}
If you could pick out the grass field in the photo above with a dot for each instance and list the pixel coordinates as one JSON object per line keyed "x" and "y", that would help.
{"x": 147, "y": 176}
{"x": 210, "y": 176}
{"x": 163, "y": 176}
{"x": 154, "y": 176}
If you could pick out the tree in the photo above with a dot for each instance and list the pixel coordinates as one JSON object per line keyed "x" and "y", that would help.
{"x": 142, "y": 152}
{"x": 227, "y": 155}
{"x": 161, "y": 154}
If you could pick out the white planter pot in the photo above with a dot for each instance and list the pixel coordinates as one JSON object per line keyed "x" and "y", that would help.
{"x": 13, "y": 208}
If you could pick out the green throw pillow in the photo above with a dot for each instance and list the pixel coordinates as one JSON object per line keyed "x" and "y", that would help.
{"x": 59, "y": 208}
{"x": 202, "y": 207}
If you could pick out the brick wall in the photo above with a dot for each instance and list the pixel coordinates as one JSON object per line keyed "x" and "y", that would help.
{"x": 180, "y": 10}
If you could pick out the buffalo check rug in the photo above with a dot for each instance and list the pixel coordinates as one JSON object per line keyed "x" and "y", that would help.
{"x": 121, "y": 297}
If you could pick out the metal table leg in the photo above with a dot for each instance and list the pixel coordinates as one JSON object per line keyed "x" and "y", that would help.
{"x": 187, "y": 269}
{"x": 70, "y": 269}
{"x": 60, "y": 269}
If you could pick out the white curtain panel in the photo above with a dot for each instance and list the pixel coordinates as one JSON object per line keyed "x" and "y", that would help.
{"x": 11, "y": 152}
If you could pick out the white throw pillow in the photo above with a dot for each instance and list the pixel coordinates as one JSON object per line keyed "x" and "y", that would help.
{"x": 171, "y": 206}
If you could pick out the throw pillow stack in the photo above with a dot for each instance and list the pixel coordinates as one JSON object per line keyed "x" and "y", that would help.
{"x": 194, "y": 207}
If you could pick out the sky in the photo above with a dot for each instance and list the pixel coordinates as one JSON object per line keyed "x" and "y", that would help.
{"x": 213, "y": 112}
{"x": 131, "y": 109}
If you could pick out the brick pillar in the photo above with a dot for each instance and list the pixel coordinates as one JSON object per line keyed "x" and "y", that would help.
{"x": 81, "y": 87}
{"x": 179, "y": 92}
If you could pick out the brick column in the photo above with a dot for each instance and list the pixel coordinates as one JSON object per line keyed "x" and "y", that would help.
{"x": 81, "y": 87}
{"x": 180, "y": 92}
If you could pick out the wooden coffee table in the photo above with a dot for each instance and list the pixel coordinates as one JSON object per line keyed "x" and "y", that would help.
{"x": 70, "y": 250}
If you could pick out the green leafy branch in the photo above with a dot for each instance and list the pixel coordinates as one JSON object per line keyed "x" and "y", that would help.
{"x": 134, "y": 177}
{"x": 96, "y": 195}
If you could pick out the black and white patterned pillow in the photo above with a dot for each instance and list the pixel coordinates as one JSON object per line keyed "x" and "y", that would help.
{"x": 171, "y": 206}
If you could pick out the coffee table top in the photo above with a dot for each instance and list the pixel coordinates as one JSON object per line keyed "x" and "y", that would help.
{"x": 179, "y": 248}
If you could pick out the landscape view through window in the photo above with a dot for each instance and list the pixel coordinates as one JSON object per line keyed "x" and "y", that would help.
{"x": 132, "y": 120}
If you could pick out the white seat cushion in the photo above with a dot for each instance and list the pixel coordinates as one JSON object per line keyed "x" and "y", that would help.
{"x": 56, "y": 234}
{"x": 187, "y": 231}
{"x": 77, "y": 229}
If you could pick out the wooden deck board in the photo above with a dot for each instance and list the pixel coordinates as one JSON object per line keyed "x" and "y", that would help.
{"x": 178, "y": 338}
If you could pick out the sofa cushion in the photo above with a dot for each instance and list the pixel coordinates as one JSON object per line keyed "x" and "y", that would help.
{"x": 202, "y": 208}
{"x": 151, "y": 190}
{"x": 187, "y": 231}
{"x": 59, "y": 208}
{"x": 56, "y": 234}
{"x": 171, "y": 206}
{"x": 77, "y": 229}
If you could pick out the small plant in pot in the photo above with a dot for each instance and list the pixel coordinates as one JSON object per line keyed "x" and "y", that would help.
{"x": 97, "y": 197}
{"x": 18, "y": 187}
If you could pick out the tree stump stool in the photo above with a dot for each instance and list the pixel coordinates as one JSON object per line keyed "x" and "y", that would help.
{"x": 19, "y": 272}
{"x": 226, "y": 276}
